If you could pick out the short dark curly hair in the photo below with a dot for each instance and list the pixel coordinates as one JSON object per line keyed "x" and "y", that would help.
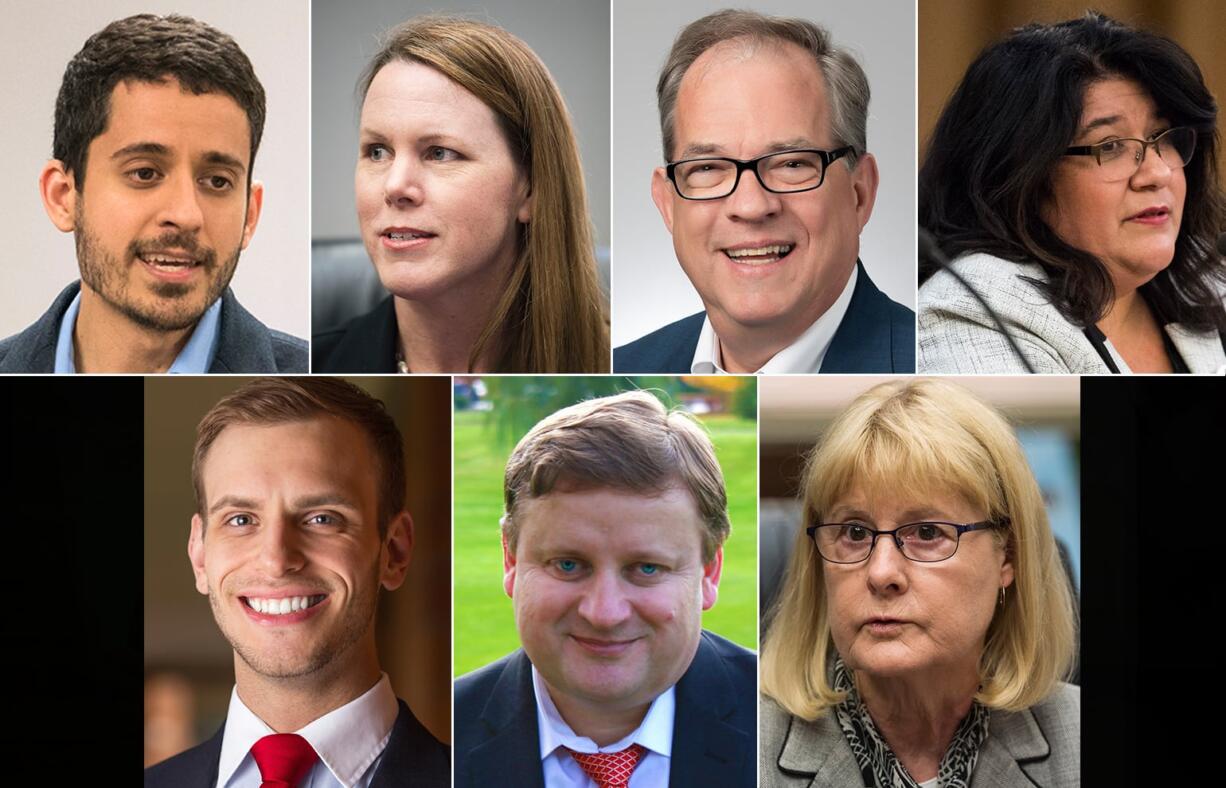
{"x": 987, "y": 172}
{"x": 149, "y": 48}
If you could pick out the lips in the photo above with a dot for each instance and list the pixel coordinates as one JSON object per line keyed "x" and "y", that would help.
{"x": 1151, "y": 215}
{"x": 604, "y": 647}
{"x": 404, "y": 239}
{"x": 758, "y": 252}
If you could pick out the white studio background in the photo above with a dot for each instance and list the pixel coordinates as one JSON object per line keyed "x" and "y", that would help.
{"x": 649, "y": 288}
{"x": 38, "y": 38}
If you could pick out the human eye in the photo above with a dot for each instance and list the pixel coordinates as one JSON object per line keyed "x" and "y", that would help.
{"x": 566, "y": 568}
{"x": 1111, "y": 149}
{"x": 322, "y": 518}
{"x": 217, "y": 183}
{"x": 854, "y": 532}
{"x": 648, "y": 570}
{"x": 239, "y": 520}
{"x": 143, "y": 176}
{"x": 439, "y": 153}
{"x": 376, "y": 151}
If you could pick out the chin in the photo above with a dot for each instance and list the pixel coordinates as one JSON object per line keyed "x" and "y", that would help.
{"x": 885, "y": 660}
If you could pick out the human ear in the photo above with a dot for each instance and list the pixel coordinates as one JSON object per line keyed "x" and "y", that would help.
{"x": 864, "y": 182}
{"x": 59, "y": 193}
{"x": 710, "y": 579}
{"x": 662, "y": 195}
{"x": 508, "y": 564}
{"x": 195, "y": 554}
{"x": 399, "y": 551}
{"x": 255, "y": 203}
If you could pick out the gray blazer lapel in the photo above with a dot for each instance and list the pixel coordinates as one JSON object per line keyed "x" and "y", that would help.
{"x": 1014, "y": 754}
{"x": 818, "y": 748}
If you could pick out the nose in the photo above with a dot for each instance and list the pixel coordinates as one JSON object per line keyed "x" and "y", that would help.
{"x": 751, "y": 201}
{"x": 1153, "y": 171}
{"x": 604, "y": 605}
{"x": 180, "y": 208}
{"x": 403, "y": 185}
{"x": 280, "y": 550}
{"x": 887, "y": 567}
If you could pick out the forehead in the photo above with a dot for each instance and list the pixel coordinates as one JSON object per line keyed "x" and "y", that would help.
{"x": 611, "y": 522}
{"x": 166, "y": 114}
{"x": 746, "y": 93}
{"x": 416, "y": 98}
{"x": 1117, "y": 101}
{"x": 307, "y": 456}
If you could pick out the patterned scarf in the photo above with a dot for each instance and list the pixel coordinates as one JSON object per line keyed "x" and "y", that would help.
{"x": 877, "y": 763}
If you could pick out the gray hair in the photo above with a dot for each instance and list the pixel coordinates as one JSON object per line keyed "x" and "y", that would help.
{"x": 845, "y": 80}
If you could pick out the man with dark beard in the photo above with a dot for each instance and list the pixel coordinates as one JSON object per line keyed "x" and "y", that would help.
{"x": 157, "y": 124}
{"x": 300, "y": 496}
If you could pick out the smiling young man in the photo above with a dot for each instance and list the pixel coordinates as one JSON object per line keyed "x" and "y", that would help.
{"x": 767, "y": 188}
{"x": 612, "y": 536}
{"x": 300, "y": 492}
{"x": 157, "y": 124}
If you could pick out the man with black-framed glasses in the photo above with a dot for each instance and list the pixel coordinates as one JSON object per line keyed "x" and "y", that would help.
{"x": 766, "y": 189}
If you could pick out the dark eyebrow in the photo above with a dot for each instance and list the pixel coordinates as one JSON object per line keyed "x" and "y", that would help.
{"x": 1098, "y": 123}
{"x": 225, "y": 160}
{"x": 147, "y": 148}
{"x": 324, "y": 499}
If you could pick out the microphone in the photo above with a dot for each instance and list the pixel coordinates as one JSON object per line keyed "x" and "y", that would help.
{"x": 928, "y": 248}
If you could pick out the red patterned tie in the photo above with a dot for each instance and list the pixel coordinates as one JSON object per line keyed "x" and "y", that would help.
{"x": 284, "y": 759}
{"x": 609, "y": 769}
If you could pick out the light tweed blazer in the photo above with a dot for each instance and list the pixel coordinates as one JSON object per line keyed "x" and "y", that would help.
{"x": 1037, "y": 747}
{"x": 956, "y": 335}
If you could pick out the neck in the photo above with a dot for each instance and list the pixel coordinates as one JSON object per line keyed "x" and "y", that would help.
{"x": 290, "y": 704}
{"x": 747, "y": 348}
{"x": 105, "y": 340}
{"x": 918, "y": 716}
{"x": 439, "y": 337}
{"x": 1127, "y": 309}
{"x": 601, "y": 724}
{"x": 1136, "y": 334}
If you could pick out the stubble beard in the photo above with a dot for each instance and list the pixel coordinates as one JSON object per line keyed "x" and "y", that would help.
{"x": 325, "y": 654}
{"x": 171, "y": 308}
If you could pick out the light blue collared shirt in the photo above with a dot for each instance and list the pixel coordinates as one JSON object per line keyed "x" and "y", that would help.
{"x": 195, "y": 358}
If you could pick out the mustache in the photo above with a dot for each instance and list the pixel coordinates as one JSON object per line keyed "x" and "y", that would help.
{"x": 178, "y": 240}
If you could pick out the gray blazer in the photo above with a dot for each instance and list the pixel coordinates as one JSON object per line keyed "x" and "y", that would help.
{"x": 244, "y": 344}
{"x": 1037, "y": 747}
{"x": 956, "y": 335}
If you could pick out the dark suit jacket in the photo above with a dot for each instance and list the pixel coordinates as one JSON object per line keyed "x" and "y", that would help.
{"x": 364, "y": 344}
{"x": 243, "y": 345}
{"x": 714, "y": 731}
{"x": 412, "y": 757}
{"x": 876, "y": 335}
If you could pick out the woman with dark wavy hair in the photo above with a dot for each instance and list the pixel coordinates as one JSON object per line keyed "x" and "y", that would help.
{"x": 1072, "y": 177}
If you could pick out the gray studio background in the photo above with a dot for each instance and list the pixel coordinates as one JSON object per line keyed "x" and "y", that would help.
{"x": 38, "y": 39}
{"x": 570, "y": 36}
{"x": 649, "y": 288}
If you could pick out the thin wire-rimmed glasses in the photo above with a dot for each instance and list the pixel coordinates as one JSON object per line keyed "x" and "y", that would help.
{"x": 785, "y": 172}
{"x": 926, "y": 542}
{"x": 1119, "y": 159}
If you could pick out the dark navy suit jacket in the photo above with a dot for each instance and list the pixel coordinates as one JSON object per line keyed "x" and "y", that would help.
{"x": 876, "y": 335}
{"x": 244, "y": 344}
{"x": 497, "y": 741}
{"x": 412, "y": 757}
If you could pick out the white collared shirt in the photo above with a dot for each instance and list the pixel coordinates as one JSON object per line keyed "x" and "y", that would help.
{"x": 348, "y": 740}
{"x": 655, "y": 734}
{"x": 804, "y": 355}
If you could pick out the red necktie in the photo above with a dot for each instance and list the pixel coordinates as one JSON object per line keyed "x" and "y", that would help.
{"x": 609, "y": 769}
{"x": 284, "y": 759}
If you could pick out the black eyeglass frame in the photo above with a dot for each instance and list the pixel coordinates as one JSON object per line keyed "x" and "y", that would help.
{"x": 960, "y": 528}
{"x": 828, "y": 157}
{"x": 1095, "y": 150}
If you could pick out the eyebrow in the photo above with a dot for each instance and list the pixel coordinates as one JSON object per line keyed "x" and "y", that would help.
{"x": 158, "y": 149}
{"x": 305, "y": 502}
{"x": 712, "y": 149}
{"x": 917, "y": 515}
{"x": 1099, "y": 123}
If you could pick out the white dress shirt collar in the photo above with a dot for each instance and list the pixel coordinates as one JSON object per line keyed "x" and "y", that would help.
{"x": 803, "y": 355}
{"x": 348, "y": 740}
{"x": 655, "y": 734}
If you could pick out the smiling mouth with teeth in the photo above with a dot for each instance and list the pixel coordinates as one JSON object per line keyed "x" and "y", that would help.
{"x": 166, "y": 262}
{"x": 407, "y": 236}
{"x": 282, "y": 606}
{"x": 759, "y": 254}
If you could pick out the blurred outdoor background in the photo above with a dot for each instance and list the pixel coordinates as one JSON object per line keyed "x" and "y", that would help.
{"x": 492, "y": 414}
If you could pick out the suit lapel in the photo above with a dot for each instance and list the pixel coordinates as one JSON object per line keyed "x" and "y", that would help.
{"x": 1014, "y": 738}
{"x": 862, "y": 342}
{"x": 514, "y": 745}
{"x": 243, "y": 344}
{"x": 706, "y": 749}
{"x": 412, "y": 758}
{"x": 818, "y": 748}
